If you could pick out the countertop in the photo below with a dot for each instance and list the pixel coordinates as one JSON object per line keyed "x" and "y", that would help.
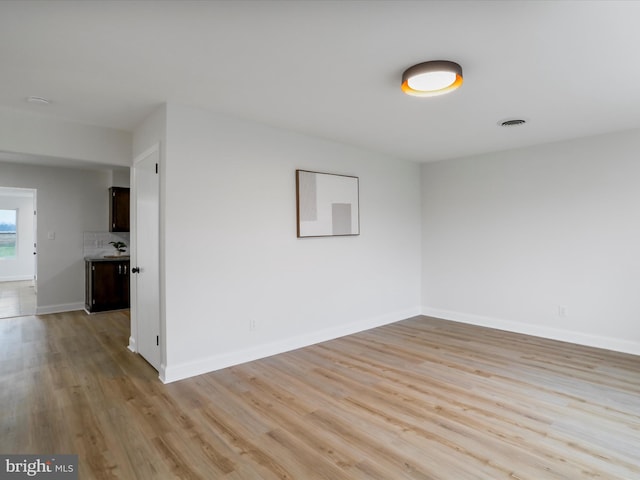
{"x": 108, "y": 258}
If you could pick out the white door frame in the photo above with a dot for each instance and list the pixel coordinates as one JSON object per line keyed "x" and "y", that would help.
{"x": 35, "y": 244}
{"x": 134, "y": 333}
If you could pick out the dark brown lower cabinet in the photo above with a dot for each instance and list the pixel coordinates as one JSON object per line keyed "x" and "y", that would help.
{"x": 106, "y": 285}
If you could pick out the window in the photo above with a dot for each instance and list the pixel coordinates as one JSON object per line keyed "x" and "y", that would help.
{"x": 8, "y": 235}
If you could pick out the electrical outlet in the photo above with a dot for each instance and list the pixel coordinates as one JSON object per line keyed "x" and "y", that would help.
{"x": 562, "y": 310}
{"x": 252, "y": 324}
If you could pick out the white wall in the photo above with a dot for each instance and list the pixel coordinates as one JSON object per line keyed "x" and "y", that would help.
{"x": 69, "y": 202}
{"x": 231, "y": 253}
{"x": 148, "y": 135}
{"x": 32, "y": 134}
{"x": 151, "y": 132}
{"x": 509, "y": 237}
{"x": 119, "y": 177}
{"x": 20, "y": 267}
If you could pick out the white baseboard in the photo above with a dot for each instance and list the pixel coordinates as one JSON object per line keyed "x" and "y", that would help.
{"x": 16, "y": 278}
{"x": 172, "y": 373}
{"x": 570, "y": 336}
{"x": 132, "y": 345}
{"x": 64, "y": 307}
{"x": 162, "y": 374}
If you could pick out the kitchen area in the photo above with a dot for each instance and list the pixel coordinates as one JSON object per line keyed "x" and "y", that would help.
{"x": 106, "y": 258}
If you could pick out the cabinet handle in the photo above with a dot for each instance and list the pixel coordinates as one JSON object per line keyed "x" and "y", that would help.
{"x": 125, "y": 269}
{"x": 119, "y": 269}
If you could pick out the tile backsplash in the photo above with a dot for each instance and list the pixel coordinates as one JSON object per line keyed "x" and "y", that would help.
{"x": 96, "y": 244}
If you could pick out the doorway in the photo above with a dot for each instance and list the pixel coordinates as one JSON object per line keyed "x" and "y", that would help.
{"x": 145, "y": 267}
{"x": 18, "y": 260}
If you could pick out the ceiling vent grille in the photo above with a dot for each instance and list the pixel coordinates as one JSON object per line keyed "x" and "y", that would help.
{"x": 512, "y": 123}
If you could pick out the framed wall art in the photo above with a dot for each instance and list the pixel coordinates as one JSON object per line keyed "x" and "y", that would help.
{"x": 327, "y": 204}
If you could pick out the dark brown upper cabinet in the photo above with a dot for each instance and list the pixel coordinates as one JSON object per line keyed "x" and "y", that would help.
{"x": 118, "y": 209}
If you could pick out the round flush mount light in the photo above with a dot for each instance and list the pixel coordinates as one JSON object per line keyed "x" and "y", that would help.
{"x": 38, "y": 100}
{"x": 433, "y": 78}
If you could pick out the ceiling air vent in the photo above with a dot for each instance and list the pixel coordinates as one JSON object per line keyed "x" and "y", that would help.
{"x": 40, "y": 100}
{"x": 512, "y": 123}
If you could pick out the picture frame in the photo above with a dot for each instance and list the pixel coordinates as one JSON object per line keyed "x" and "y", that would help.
{"x": 327, "y": 204}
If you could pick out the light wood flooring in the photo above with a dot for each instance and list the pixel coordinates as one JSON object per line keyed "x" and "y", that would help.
{"x": 419, "y": 399}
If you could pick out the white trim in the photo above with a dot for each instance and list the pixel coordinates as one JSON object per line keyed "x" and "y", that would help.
{"x": 162, "y": 374}
{"x": 579, "y": 338}
{"x": 172, "y": 373}
{"x": 17, "y": 278}
{"x": 64, "y": 307}
{"x": 132, "y": 344}
{"x": 152, "y": 149}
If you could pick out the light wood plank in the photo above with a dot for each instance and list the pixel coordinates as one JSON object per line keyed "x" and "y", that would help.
{"x": 419, "y": 399}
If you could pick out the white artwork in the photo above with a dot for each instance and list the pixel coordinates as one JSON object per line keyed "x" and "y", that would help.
{"x": 327, "y": 204}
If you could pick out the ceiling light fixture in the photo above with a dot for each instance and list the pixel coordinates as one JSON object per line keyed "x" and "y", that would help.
{"x": 40, "y": 100}
{"x": 433, "y": 78}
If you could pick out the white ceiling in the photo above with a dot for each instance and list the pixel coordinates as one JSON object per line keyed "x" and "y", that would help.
{"x": 332, "y": 68}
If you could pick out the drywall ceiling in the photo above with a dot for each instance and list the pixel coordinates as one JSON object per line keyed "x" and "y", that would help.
{"x": 332, "y": 69}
